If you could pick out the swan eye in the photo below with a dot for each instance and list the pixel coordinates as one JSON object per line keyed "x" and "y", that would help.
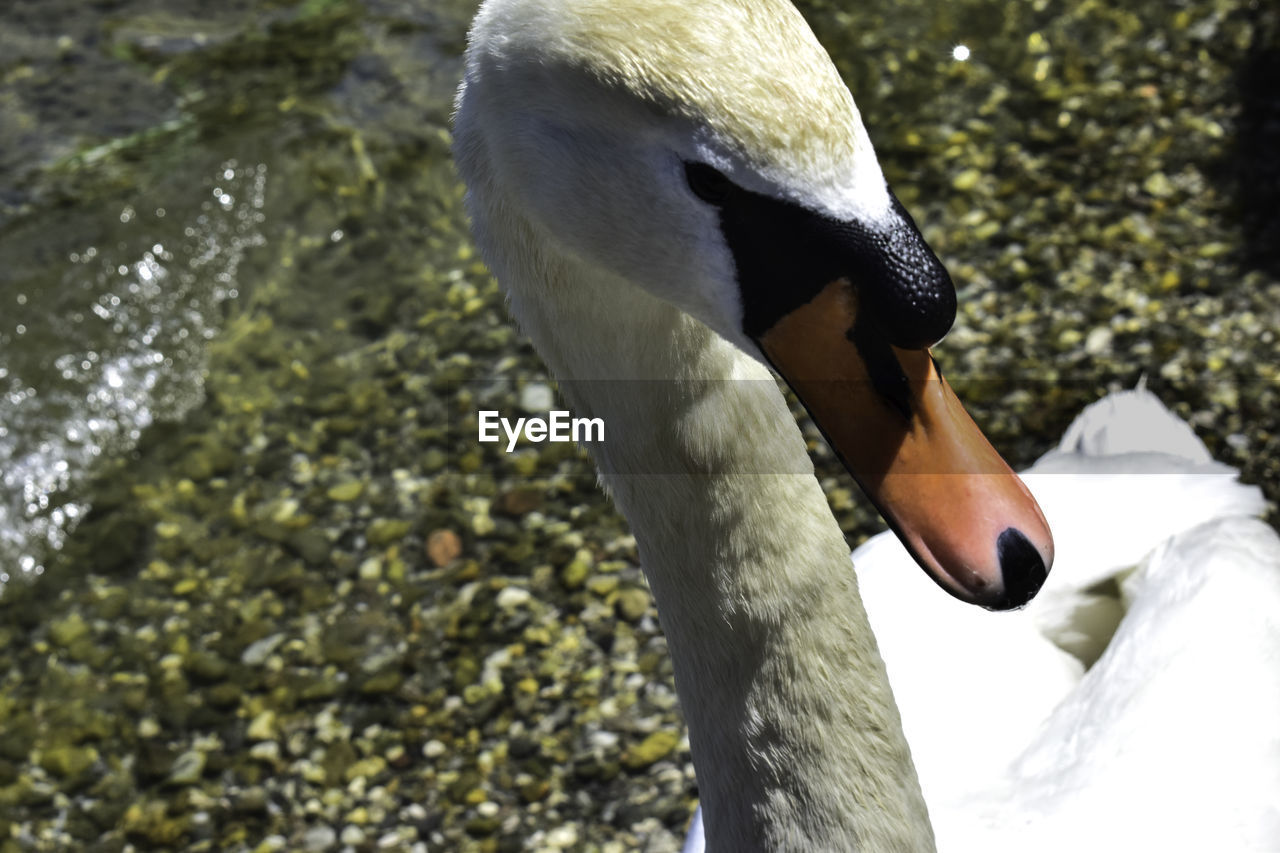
{"x": 707, "y": 183}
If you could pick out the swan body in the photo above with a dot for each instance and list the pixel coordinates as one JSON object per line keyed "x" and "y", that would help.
{"x": 674, "y": 196}
{"x": 1171, "y": 739}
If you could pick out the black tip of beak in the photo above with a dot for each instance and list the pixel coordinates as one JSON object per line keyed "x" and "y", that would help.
{"x": 1022, "y": 568}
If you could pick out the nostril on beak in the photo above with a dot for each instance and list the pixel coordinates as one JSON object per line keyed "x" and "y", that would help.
{"x": 1022, "y": 568}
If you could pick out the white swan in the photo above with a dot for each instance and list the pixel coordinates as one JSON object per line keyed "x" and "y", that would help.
{"x": 672, "y": 194}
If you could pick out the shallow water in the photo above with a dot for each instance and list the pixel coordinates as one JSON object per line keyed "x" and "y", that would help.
{"x": 243, "y": 331}
{"x": 109, "y": 336}
{"x": 137, "y": 216}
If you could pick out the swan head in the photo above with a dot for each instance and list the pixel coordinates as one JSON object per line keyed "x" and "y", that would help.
{"x": 710, "y": 155}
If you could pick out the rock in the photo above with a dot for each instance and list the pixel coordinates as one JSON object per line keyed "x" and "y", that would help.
{"x": 632, "y": 603}
{"x": 224, "y": 695}
{"x": 252, "y": 801}
{"x": 1098, "y": 341}
{"x": 1158, "y": 185}
{"x": 319, "y": 838}
{"x": 519, "y": 501}
{"x": 481, "y": 826}
{"x": 268, "y": 752}
{"x": 386, "y": 531}
{"x": 205, "y": 665}
{"x": 366, "y": 768}
{"x": 345, "y": 492}
{"x": 312, "y": 545}
{"x": 655, "y": 747}
{"x": 263, "y": 726}
{"x": 69, "y": 763}
{"x": 576, "y": 571}
{"x": 537, "y": 398}
{"x": 371, "y": 569}
{"x": 337, "y": 758}
{"x": 257, "y": 653}
{"x": 187, "y": 768}
{"x": 63, "y": 632}
{"x": 603, "y": 585}
{"x": 151, "y": 822}
{"x": 512, "y": 598}
{"x": 387, "y": 681}
{"x": 535, "y": 791}
{"x": 563, "y": 837}
{"x": 443, "y": 547}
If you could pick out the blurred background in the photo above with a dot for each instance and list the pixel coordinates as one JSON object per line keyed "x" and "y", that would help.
{"x": 261, "y": 587}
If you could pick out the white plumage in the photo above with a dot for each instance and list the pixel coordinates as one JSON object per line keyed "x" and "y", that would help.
{"x": 1167, "y": 586}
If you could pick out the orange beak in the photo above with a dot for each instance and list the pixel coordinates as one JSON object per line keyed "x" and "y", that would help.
{"x": 959, "y": 508}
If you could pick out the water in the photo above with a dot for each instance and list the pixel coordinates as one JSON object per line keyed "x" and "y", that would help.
{"x": 262, "y": 569}
{"x": 121, "y": 261}
{"x": 106, "y": 334}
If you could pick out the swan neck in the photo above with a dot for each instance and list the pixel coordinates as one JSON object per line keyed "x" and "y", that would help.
{"x": 796, "y": 739}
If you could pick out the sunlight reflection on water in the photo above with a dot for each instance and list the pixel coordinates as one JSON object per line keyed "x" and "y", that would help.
{"x": 116, "y": 343}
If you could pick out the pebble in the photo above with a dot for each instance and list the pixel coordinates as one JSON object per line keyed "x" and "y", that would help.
{"x": 967, "y": 179}
{"x": 1098, "y": 341}
{"x": 632, "y": 603}
{"x": 187, "y": 768}
{"x": 513, "y": 598}
{"x": 257, "y": 653}
{"x": 320, "y": 837}
{"x": 385, "y": 531}
{"x": 371, "y": 568}
{"x": 653, "y": 748}
{"x": 537, "y": 398}
{"x": 562, "y": 837}
{"x": 345, "y": 492}
{"x": 443, "y": 547}
{"x": 263, "y": 726}
{"x": 1158, "y": 185}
